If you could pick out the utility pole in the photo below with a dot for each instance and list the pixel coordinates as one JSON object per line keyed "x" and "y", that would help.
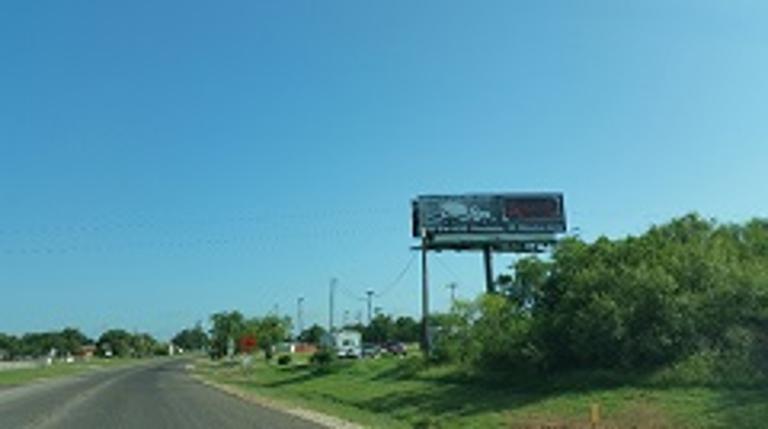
{"x": 370, "y": 302}
{"x": 452, "y": 287}
{"x": 330, "y": 312}
{"x": 300, "y": 315}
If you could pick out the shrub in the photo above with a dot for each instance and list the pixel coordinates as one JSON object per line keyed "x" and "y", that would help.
{"x": 490, "y": 333}
{"x": 323, "y": 357}
{"x": 284, "y": 360}
{"x": 160, "y": 350}
{"x": 427, "y": 423}
{"x": 452, "y": 339}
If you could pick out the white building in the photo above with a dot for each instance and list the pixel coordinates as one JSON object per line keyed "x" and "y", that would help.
{"x": 348, "y": 343}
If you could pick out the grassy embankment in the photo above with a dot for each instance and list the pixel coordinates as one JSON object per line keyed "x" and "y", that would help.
{"x": 395, "y": 393}
{"x": 59, "y": 369}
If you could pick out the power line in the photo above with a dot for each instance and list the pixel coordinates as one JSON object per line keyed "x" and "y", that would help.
{"x": 257, "y": 240}
{"x": 451, "y": 272}
{"x": 369, "y": 293}
{"x": 399, "y": 277}
{"x": 105, "y": 223}
{"x": 351, "y": 295}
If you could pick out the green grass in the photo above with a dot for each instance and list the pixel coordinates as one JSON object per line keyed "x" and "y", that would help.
{"x": 395, "y": 393}
{"x": 28, "y": 375}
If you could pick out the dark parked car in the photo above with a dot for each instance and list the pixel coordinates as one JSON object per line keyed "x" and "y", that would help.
{"x": 395, "y": 348}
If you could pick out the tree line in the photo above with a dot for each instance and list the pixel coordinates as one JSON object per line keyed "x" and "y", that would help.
{"x": 244, "y": 335}
{"x": 690, "y": 289}
{"x": 72, "y": 342}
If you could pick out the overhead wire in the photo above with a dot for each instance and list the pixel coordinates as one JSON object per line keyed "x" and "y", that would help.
{"x": 399, "y": 277}
{"x": 451, "y": 272}
{"x": 101, "y": 224}
{"x": 260, "y": 240}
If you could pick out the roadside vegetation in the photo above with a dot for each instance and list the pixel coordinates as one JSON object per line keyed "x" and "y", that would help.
{"x": 410, "y": 393}
{"x": 690, "y": 292}
{"x": 667, "y": 329}
{"x": 16, "y": 377}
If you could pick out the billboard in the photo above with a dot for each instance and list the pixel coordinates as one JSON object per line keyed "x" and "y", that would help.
{"x": 499, "y": 217}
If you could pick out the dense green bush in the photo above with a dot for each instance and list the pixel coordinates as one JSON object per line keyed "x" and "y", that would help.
{"x": 284, "y": 360}
{"x": 324, "y": 356}
{"x": 689, "y": 288}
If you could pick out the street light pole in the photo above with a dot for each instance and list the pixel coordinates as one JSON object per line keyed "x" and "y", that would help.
{"x": 452, "y": 287}
{"x": 300, "y": 315}
{"x": 330, "y": 312}
{"x": 370, "y": 302}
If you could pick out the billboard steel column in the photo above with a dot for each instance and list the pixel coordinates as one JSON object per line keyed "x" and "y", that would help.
{"x": 425, "y": 346}
{"x": 488, "y": 259}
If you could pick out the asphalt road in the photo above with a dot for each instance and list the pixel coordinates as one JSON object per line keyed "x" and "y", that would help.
{"x": 159, "y": 395}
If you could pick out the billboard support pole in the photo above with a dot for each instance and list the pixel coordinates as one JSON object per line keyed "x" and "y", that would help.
{"x": 425, "y": 346}
{"x": 488, "y": 260}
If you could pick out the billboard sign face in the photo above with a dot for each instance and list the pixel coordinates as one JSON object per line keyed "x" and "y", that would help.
{"x": 498, "y": 216}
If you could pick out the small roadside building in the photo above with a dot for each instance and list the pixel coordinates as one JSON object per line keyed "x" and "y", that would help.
{"x": 348, "y": 343}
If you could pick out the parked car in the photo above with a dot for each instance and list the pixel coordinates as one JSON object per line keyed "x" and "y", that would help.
{"x": 371, "y": 350}
{"x": 395, "y": 348}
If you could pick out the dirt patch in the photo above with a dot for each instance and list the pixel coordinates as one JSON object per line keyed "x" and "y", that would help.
{"x": 636, "y": 416}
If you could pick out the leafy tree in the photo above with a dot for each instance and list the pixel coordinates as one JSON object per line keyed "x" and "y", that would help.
{"x": 67, "y": 341}
{"x": 72, "y": 341}
{"x": 524, "y": 288}
{"x": 191, "y": 338}
{"x": 142, "y": 345}
{"x": 268, "y": 332}
{"x": 512, "y": 349}
{"x": 381, "y": 329}
{"x": 9, "y": 346}
{"x": 118, "y": 341}
{"x": 650, "y": 300}
{"x": 685, "y": 288}
{"x": 226, "y": 326}
{"x": 453, "y": 339}
{"x": 313, "y": 335}
{"x": 407, "y": 330}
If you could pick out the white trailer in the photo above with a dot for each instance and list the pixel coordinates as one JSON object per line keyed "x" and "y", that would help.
{"x": 348, "y": 344}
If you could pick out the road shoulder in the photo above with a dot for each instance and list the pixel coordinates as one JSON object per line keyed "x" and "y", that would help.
{"x": 316, "y": 417}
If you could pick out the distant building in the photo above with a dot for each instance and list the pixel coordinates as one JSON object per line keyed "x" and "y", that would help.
{"x": 87, "y": 351}
{"x": 285, "y": 347}
{"x": 307, "y": 348}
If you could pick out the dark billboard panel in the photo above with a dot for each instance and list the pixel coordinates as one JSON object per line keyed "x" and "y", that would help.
{"x": 484, "y": 214}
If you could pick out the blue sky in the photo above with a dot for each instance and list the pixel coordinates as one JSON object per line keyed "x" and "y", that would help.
{"x": 163, "y": 161}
